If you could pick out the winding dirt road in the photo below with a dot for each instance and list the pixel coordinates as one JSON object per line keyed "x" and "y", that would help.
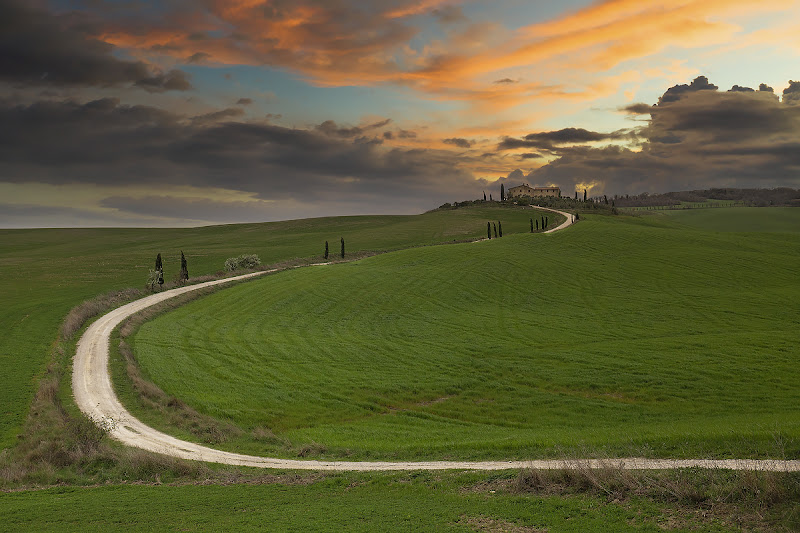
{"x": 94, "y": 394}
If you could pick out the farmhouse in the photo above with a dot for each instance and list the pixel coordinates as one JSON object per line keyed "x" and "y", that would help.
{"x": 527, "y": 190}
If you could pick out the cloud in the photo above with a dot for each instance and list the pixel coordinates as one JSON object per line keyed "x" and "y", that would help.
{"x": 39, "y": 48}
{"x": 456, "y": 141}
{"x": 330, "y": 128}
{"x": 107, "y": 143}
{"x": 694, "y": 139}
{"x": 791, "y": 94}
{"x": 244, "y": 101}
{"x": 506, "y": 80}
{"x": 548, "y": 140}
{"x": 530, "y": 155}
{"x": 675, "y": 93}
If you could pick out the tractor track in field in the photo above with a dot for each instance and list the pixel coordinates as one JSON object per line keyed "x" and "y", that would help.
{"x": 95, "y": 396}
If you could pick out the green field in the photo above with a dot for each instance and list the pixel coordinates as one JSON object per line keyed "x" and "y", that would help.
{"x": 46, "y": 272}
{"x": 419, "y": 501}
{"x": 740, "y": 219}
{"x": 621, "y": 335}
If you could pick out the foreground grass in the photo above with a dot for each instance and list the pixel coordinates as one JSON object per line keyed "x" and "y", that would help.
{"x": 421, "y": 501}
{"x": 620, "y": 336}
{"x": 46, "y": 272}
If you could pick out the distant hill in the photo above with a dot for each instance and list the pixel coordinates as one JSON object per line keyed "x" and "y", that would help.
{"x": 782, "y": 196}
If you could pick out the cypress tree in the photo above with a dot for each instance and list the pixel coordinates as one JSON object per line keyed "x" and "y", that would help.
{"x": 484, "y": 196}
{"x": 531, "y": 225}
{"x": 542, "y": 222}
{"x": 489, "y": 230}
{"x": 584, "y": 195}
{"x": 605, "y": 198}
{"x": 494, "y": 226}
{"x": 183, "y": 277}
{"x": 576, "y": 195}
{"x": 160, "y": 269}
{"x": 546, "y": 221}
{"x": 537, "y": 225}
{"x": 326, "y": 250}
{"x": 490, "y": 197}
{"x": 342, "y": 247}
{"x": 502, "y": 193}
{"x": 500, "y": 227}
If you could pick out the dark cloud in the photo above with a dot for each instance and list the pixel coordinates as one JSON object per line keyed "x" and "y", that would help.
{"x": 703, "y": 138}
{"x": 231, "y": 112}
{"x": 197, "y": 209}
{"x": 676, "y": 92}
{"x": 40, "y": 48}
{"x": 106, "y": 143}
{"x": 449, "y": 14}
{"x": 548, "y": 140}
{"x": 739, "y": 89}
{"x": 765, "y": 88}
{"x": 244, "y": 101}
{"x": 530, "y": 155}
{"x": 506, "y": 80}
{"x": 329, "y": 127}
{"x": 457, "y": 141}
{"x": 406, "y": 134}
{"x": 791, "y": 94}
{"x": 637, "y": 109}
{"x": 198, "y": 57}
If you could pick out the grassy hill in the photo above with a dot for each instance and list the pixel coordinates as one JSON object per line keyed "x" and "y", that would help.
{"x": 46, "y": 272}
{"x": 622, "y": 335}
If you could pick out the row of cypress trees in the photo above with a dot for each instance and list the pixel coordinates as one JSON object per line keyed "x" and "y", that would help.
{"x": 157, "y": 274}
{"x": 326, "y": 249}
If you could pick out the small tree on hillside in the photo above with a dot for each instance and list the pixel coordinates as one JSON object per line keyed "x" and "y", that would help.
{"x": 489, "y": 230}
{"x": 576, "y": 195}
{"x": 584, "y": 195}
{"x": 546, "y": 222}
{"x": 500, "y": 227}
{"x": 502, "y": 193}
{"x": 542, "y": 222}
{"x": 531, "y": 225}
{"x": 326, "y": 250}
{"x": 490, "y": 197}
{"x": 494, "y": 227}
{"x": 484, "y": 196}
{"x": 183, "y": 275}
{"x": 342, "y": 247}
{"x": 537, "y": 225}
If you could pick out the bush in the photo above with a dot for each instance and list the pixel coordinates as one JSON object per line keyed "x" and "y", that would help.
{"x": 242, "y": 262}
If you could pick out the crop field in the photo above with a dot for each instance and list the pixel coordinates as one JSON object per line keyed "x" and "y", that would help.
{"x": 622, "y": 335}
{"x": 46, "y": 272}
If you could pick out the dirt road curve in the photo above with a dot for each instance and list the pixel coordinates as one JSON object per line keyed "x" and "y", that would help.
{"x": 91, "y": 385}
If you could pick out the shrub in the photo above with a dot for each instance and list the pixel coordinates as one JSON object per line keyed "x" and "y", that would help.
{"x": 242, "y": 262}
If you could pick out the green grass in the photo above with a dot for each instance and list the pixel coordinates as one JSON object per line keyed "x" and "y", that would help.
{"x": 352, "y": 502}
{"x": 47, "y": 272}
{"x": 621, "y": 335}
{"x": 740, "y": 219}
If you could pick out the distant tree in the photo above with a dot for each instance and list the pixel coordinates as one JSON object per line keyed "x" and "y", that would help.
{"x": 489, "y": 230}
{"x": 494, "y": 227}
{"x": 484, "y": 196}
{"x": 531, "y": 225}
{"x": 584, "y": 195}
{"x": 502, "y": 193}
{"x": 576, "y": 195}
{"x": 490, "y": 197}
{"x": 542, "y": 222}
{"x": 326, "y": 250}
{"x": 183, "y": 276}
{"x": 605, "y": 198}
{"x": 537, "y": 225}
{"x": 612, "y": 203}
{"x": 343, "y": 247}
{"x": 500, "y": 227}
{"x": 160, "y": 270}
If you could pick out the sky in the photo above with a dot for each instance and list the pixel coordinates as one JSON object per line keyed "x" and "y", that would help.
{"x": 186, "y": 113}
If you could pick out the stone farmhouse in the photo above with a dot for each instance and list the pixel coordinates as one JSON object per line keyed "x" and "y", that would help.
{"x": 527, "y": 190}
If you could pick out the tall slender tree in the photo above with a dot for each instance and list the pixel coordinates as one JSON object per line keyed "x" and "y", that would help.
{"x": 537, "y": 225}
{"x": 183, "y": 276}
{"x": 576, "y": 195}
{"x": 500, "y": 227}
{"x": 546, "y": 222}
{"x": 326, "y": 250}
{"x": 494, "y": 227}
{"x": 160, "y": 269}
{"x": 502, "y": 193}
{"x": 342, "y": 247}
{"x": 584, "y": 195}
{"x": 490, "y": 197}
{"x": 489, "y": 230}
{"x": 542, "y": 222}
{"x": 484, "y": 196}
{"x": 531, "y": 225}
